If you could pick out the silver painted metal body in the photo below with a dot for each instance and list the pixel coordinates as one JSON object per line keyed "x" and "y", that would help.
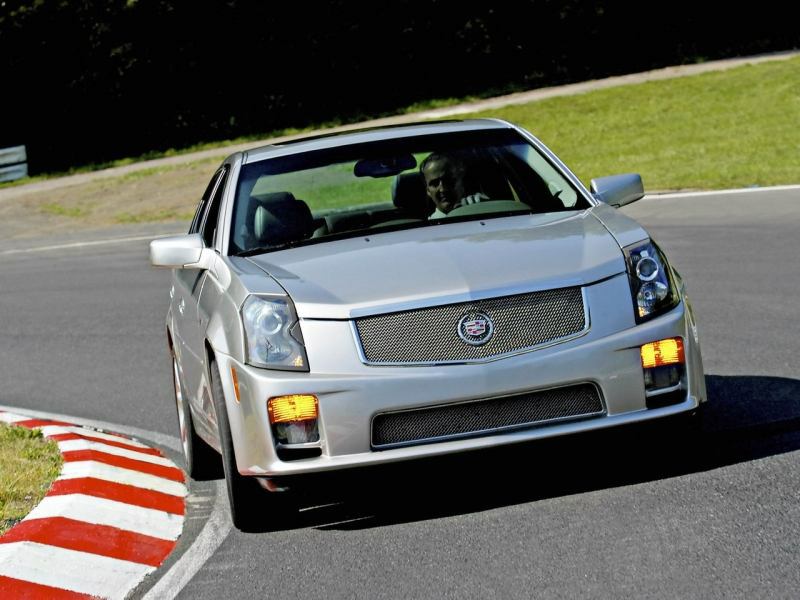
{"x": 334, "y": 282}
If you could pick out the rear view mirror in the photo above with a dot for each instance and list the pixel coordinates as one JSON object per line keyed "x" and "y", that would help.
{"x": 384, "y": 167}
{"x": 618, "y": 190}
{"x": 177, "y": 252}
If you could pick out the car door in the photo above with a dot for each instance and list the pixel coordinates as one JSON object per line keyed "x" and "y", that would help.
{"x": 187, "y": 284}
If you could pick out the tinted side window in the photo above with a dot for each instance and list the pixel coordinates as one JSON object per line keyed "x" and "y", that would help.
{"x": 203, "y": 204}
{"x": 209, "y": 226}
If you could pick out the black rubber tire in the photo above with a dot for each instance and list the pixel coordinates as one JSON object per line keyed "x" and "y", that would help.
{"x": 202, "y": 461}
{"x": 252, "y": 507}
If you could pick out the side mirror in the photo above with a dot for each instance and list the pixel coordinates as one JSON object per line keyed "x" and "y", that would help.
{"x": 177, "y": 252}
{"x": 618, "y": 190}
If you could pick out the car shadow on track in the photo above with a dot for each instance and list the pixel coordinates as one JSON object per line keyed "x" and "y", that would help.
{"x": 746, "y": 418}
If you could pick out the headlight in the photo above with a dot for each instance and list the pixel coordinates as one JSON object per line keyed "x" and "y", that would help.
{"x": 272, "y": 334}
{"x": 651, "y": 281}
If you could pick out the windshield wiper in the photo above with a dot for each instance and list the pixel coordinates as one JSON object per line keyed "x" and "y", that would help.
{"x": 262, "y": 249}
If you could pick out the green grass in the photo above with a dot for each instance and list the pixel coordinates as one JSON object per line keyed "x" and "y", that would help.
{"x": 154, "y": 216}
{"x": 725, "y": 129}
{"x": 718, "y": 130}
{"x": 328, "y": 187}
{"x": 53, "y": 208}
{"x": 28, "y": 465}
{"x": 203, "y": 164}
{"x": 440, "y": 103}
{"x": 143, "y": 173}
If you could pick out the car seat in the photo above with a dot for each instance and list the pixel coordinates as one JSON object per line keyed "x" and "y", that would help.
{"x": 409, "y": 195}
{"x": 280, "y": 218}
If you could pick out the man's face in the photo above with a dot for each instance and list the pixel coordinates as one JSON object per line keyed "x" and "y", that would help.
{"x": 444, "y": 183}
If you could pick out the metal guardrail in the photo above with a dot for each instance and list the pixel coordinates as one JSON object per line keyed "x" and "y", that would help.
{"x": 13, "y": 163}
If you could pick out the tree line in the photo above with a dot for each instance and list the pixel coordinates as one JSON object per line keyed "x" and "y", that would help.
{"x": 89, "y": 81}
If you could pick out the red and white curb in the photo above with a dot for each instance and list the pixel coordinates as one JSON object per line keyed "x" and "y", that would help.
{"x": 111, "y": 517}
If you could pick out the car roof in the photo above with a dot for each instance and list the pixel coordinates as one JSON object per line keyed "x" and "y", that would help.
{"x": 372, "y": 134}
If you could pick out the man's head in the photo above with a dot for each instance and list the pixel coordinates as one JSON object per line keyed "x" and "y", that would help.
{"x": 444, "y": 180}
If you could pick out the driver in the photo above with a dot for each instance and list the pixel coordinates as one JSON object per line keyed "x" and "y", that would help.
{"x": 446, "y": 183}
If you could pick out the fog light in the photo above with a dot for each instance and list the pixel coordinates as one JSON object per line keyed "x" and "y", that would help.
{"x": 662, "y": 377}
{"x": 663, "y": 364}
{"x": 663, "y": 353}
{"x": 296, "y": 407}
{"x": 301, "y": 432}
{"x": 294, "y": 418}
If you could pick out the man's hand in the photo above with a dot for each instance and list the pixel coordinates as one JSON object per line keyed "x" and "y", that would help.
{"x": 473, "y": 199}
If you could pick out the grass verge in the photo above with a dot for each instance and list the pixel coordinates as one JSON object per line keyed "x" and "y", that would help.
{"x": 59, "y": 210}
{"x": 28, "y": 465}
{"x": 718, "y": 130}
{"x": 154, "y": 216}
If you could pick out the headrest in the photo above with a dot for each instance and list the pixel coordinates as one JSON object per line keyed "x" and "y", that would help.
{"x": 280, "y": 218}
{"x": 409, "y": 194}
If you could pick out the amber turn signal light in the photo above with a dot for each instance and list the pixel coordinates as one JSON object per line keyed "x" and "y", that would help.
{"x": 235, "y": 379}
{"x": 292, "y": 408}
{"x": 663, "y": 353}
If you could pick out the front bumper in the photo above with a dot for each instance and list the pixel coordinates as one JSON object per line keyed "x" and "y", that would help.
{"x": 351, "y": 393}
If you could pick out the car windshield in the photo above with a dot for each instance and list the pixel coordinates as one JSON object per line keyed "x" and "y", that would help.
{"x": 348, "y": 190}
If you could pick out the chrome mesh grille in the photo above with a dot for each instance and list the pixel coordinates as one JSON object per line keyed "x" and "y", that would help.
{"x": 468, "y": 419}
{"x": 427, "y": 335}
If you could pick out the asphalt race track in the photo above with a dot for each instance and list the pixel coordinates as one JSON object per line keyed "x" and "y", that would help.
{"x": 634, "y": 513}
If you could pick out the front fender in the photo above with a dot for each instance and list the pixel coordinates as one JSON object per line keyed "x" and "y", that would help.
{"x": 219, "y": 314}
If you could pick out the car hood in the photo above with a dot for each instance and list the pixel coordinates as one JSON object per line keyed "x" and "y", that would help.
{"x": 443, "y": 264}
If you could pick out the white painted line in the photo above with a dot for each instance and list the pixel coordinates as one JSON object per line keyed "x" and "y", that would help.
{"x": 749, "y": 190}
{"x": 98, "y": 470}
{"x": 101, "y": 511}
{"x": 106, "y": 242}
{"x": 80, "y": 572}
{"x": 74, "y": 445}
{"x": 214, "y": 532}
{"x": 51, "y": 430}
{"x": 12, "y": 418}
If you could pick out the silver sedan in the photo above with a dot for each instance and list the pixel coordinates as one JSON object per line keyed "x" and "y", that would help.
{"x": 405, "y": 292}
